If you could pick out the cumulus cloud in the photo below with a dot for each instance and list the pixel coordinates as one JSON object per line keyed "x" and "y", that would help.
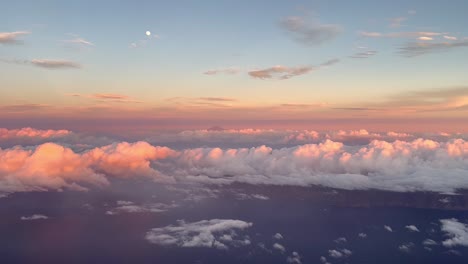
{"x": 52, "y": 166}
{"x": 402, "y": 166}
{"x": 295, "y": 258}
{"x": 12, "y": 37}
{"x": 313, "y": 33}
{"x": 278, "y": 236}
{"x": 34, "y": 217}
{"x": 215, "y": 233}
{"x": 55, "y": 64}
{"x": 429, "y": 242}
{"x": 406, "y": 248}
{"x": 413, "y": 49}
{"x": 362, "y": 235}
{"x": 412, "y": 228}
{"x": 341, "y": 240}
{"x": 279, "y": 247}
{"x": 339, "y": 253}
{"x": 456, "y": 231}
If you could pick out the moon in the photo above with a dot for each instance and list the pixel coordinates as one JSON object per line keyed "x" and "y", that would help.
{"x": 148, "y": 33}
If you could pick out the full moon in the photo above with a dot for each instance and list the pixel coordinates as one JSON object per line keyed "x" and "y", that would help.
{"x": 148, "y": 33}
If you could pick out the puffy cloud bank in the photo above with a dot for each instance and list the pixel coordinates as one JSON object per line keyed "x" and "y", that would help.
{"x": 27, "y": 132}
{"x": 214, "y": 233}
{"x": 456, "y": 231}
{"x": 403, "y": 166}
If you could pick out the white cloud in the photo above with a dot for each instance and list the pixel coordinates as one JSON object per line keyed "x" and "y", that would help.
{"x": 215, "y": 233}
{"x": 362, "y": 235}
{"x": 456, "y": 231}
{"x": 429, "y": 242}
{"x": 388, "y": 228}
{"x": 279, "y": 247}
{"x": 341, "y": 240}
{"x": 295, "y": 258}
{"x": 412, "y": 228}
{"x": 339, "y": 253}
{"x": 406, "y": 248}
{"x": 34, "y": 217}
{"x": 450, "y": 38}
{"x": 278, "y": 236}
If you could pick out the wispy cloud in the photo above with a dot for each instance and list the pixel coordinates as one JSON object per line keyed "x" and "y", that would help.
{"x": 396, "y": 22}
{"x": 77, "y": 42}
{"x": 12, "y": 37}
{"x": 415, "y": 34}
{"x": 413, "y": 49}
{"x": 364, "y": 54}
{"x": 108, "y": 97}
{"x": 310, "y": 33}
{"x": 284, "y": 72}
{"x": 55, "y": 64}
{"x": 231, "y": 70}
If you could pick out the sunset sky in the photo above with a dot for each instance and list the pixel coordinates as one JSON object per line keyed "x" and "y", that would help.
{"x": 332, "y": 64}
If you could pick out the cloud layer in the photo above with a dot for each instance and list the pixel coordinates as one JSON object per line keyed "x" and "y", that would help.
{"x": 214, "y": 233}
{"x": 403, "y": 164}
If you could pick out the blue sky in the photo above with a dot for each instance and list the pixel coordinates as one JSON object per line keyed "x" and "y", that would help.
{"x": 234, "y": 40}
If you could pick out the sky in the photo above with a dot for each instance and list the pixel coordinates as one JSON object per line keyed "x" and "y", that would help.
{"x": 379, "y": 65}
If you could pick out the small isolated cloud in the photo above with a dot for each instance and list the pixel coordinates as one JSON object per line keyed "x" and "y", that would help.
{"x": 397, "y": 22}
{"x": 280, "y": 72}
{"x": 278, "y": 236}
{"x": 425, "y": 38}
{"x": 457, "y": 232}
{"x": 363, "y": 55}
{"x": 12, "y": 37}
{"x": 389, "y": 229}
{"x": 215, "y": 233}
{"x": 362, "y": 235}
{"x": 108, "y": 97}
{"x": 130, "y": 207}
{"x": 34, "y": 217}
{"x": 339, "y": 253}
{"x": 279, "y": 247}
{"x": 232, "y": 70}
{"x": 413, "y": 49}
{"x": 313, "y": 33}
{"x": 295, "y": 258}
{"x": 55, "y": 64}
{"x": 77, "y": 42}
{"x": 284, "y": 72}
{"x": 450, "y": 38}
{"x": 406, "y": 248}
{"x": 412, "y": 228}
{"x": 341, "y": 240}
{"x": 429, "y": 242}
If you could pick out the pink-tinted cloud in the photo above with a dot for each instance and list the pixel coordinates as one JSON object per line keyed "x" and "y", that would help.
{"x": 12, "y": 37}
{"x": 401, "y": 165}
{"x": 28, "y": 132}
